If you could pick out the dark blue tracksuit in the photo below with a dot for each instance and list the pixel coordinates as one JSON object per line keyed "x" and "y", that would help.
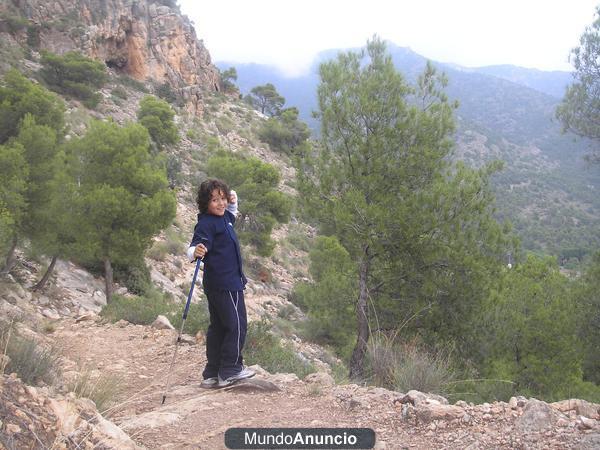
{"x": 224, "y": 284}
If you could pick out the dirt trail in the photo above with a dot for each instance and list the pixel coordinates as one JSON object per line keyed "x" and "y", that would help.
{"x": 194, "y": 417}
{"x": 197, "y": 418}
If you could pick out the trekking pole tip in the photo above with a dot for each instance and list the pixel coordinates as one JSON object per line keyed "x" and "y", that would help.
{"x": 163, "y": 399}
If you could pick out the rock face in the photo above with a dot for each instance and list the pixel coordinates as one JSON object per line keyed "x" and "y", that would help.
{"x": 140, "y": 38}
{"x": 31, "y": 418}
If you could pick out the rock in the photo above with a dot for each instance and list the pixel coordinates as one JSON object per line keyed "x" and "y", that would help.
{"x": 259, "y": 371}
{"x": 88, "y": 316}
{"x": 200, "y": 337}
{"x": 4, "y": 361}
{"x": 581, "y": 407}
{"x": 320, "y": 379}
{"x": 589, "y": 442}
{"x": 416, "y": 397}
{"x": 121, "y": 323}
{"x": 122, "y": 291}
{"x": 162, "y": 323}
{"x": 537, "y": 416}
{"x": 187, "y": 339}
{"x": 50, "y": 314}
{"x": 254, "y": 385}
{"x": 284, "y": 378}
{"x": 586, "y": 423}
{"x": 432, "y": 410}
{"x": 12, "y": 428}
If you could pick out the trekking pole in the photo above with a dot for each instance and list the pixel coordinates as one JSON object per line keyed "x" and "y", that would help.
{"x": 185, "y": 313}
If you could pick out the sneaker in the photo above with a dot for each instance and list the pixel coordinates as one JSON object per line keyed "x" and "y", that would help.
{"x": 241, "y": 375}
{"x": 208, "y": 383}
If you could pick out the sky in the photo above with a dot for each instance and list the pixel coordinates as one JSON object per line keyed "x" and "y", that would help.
{"x": 528, "y": 33}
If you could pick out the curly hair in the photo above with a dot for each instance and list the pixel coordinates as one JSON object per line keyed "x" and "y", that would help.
{"x": 205, "y": 191}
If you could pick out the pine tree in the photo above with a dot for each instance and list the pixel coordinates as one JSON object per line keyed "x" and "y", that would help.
{"x": 579, "y": 111}
{"x": 382, "y": 184}
{"x": 123, "y": 198}
{"x": 263, "y": 206}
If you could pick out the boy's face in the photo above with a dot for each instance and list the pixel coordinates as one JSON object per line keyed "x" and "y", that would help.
{"x": 217, "y": 203}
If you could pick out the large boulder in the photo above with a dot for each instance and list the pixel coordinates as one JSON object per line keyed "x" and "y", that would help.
{"x": 537, "y": 416}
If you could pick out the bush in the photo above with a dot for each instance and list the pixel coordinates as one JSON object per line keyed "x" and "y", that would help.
{"x": 256, "y": 183}
{"x": 102, "y": 389}
{"x": 133, "y": 83}
{"x": 158, "y": 251}
{"x": 224, "y": 124}
{"x": 119, "y": 92}
{"x": 33, "y": 363}
{"x": 135, "y": 276}
{"x": 13, "y": 23}
{"x": 75, "y": 75}
{"x": 266, "y": 350}
{"x": 285, "y": 133}
{"x": 157, "y": 117}
{"x": 144, "y": 310}
{"x": 406, "y": 366}
{"x": 166, "y": 92}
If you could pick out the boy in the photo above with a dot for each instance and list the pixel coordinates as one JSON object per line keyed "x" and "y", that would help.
{"x": 216, "y": 242}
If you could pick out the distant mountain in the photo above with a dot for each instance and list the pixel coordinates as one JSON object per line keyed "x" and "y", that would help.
{"x": 552, "y": 83}
{"x": 505, "y": 113}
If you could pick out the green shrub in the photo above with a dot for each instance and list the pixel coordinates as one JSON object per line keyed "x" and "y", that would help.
{"x": 13, "y": 23}
{"x": 33, "y": 363}
{"x": 166, "y": 92}
{"x": 33, "y": 36}
{"x": 266, "y": 350}
{"x": 174, "y": 174}
{"x": 75, "y": 75}
{"x": 224, "y": 124}
{"x": 157, "y": 117}
{"x": 158, "y": 251}
{"x": 144, "y": 310}
{"x": 135, "y": 276}
{"x": 133, "y": 83}
{"x": 406, "y": 366}
{"x": 256, "y": 183}
{"x": 479, "y": 390}
{"x": 285, "y": 133}
{"x": 176, "y": 243}
{"x": 119, "y": 92}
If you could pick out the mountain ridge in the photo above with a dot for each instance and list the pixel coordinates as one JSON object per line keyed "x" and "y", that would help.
{"x": 518, "y": 126}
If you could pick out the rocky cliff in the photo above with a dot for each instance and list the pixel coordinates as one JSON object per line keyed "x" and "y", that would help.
{"x": 144, "y": 39}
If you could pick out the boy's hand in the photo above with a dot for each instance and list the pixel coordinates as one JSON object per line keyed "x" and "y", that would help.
{"x": 232, "y": 197}
{"x": 200, "y": 251}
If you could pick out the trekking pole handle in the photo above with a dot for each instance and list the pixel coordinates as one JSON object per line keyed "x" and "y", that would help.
{"x": 189, "y": 299}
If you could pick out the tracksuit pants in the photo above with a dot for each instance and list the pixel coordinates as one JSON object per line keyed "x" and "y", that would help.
{"x": 226, "y": 333}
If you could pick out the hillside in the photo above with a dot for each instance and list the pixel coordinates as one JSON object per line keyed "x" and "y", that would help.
{"x": 546, "y": 189}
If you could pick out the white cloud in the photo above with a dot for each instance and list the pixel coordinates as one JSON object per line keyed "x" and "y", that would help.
{"x": 528, "y": 33}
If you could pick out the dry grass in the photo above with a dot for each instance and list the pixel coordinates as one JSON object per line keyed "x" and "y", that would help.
{"x": 403, "y": 366}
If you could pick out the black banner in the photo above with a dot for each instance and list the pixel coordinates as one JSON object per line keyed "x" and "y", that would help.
{"x": 299, "y": 438}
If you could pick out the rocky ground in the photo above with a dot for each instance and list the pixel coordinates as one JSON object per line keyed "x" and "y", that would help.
{"x": 137, "y": 358}
{"x": 131, "y": 363}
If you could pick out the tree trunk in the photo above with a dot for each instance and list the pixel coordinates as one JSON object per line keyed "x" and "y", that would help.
{"x": 108, "y": 280}
{"x": 10, "y": 257}
{"x": 362, "y": 316}
{"x": 40, "y": 284}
